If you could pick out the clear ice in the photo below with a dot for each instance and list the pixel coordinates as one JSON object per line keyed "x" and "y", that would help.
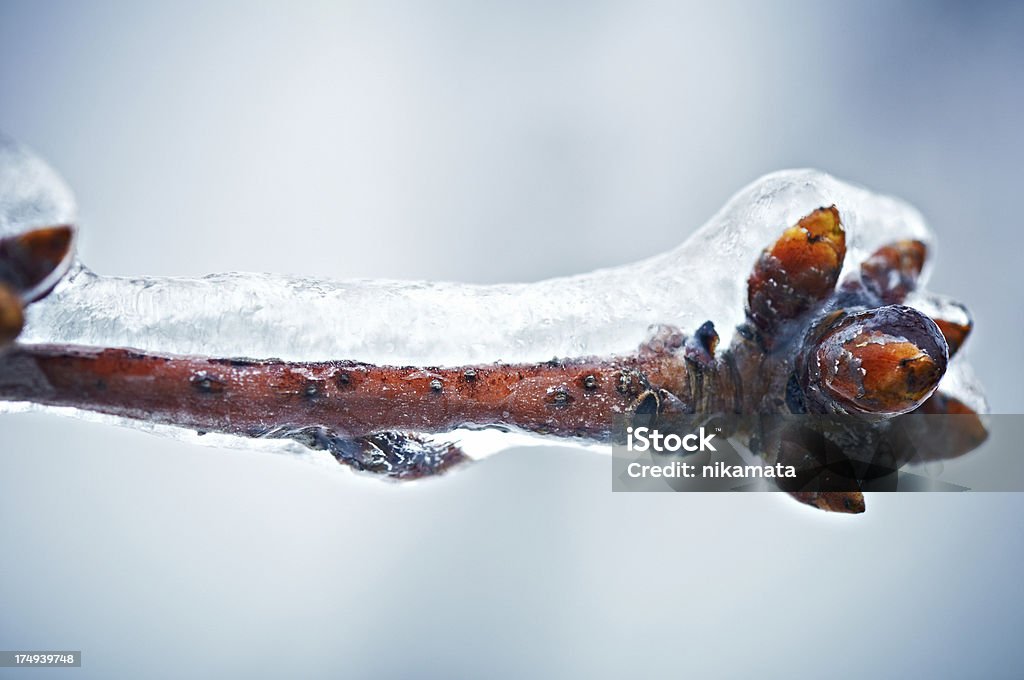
{"x": 32, "y": 194}
{"x": 604, "y": 312}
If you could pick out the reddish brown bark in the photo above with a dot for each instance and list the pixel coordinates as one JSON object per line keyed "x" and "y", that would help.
{"x": 572, "y": 398}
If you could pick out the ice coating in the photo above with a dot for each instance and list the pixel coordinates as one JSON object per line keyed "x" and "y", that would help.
{"x": 602, "y": 313}
{"x": 32, "y": 194}
{"x": 605, "y": 312}
{"x": 960, "y": 382}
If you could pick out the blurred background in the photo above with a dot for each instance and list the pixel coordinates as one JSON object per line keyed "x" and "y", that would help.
{"x": 487, "y": 142}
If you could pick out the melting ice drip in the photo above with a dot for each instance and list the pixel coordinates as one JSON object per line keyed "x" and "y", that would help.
{"x": 602, "y": 313}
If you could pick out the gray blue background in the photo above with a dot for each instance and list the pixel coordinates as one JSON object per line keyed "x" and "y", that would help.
{"x": 489, "y": 142}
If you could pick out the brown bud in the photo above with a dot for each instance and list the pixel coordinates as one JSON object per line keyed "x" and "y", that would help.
{"x": 952, "y": 318}
{"x": 892, "y": 271}
{"x": 798, "y": 271}
{"x": 947, "y": 427}
{"x": 12, "y": 317}
{"x": 882, "y": 361}
{"x": 850, "y": 502}
{"x": 31, "y": 263}
{"x": 954, "y": 333}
